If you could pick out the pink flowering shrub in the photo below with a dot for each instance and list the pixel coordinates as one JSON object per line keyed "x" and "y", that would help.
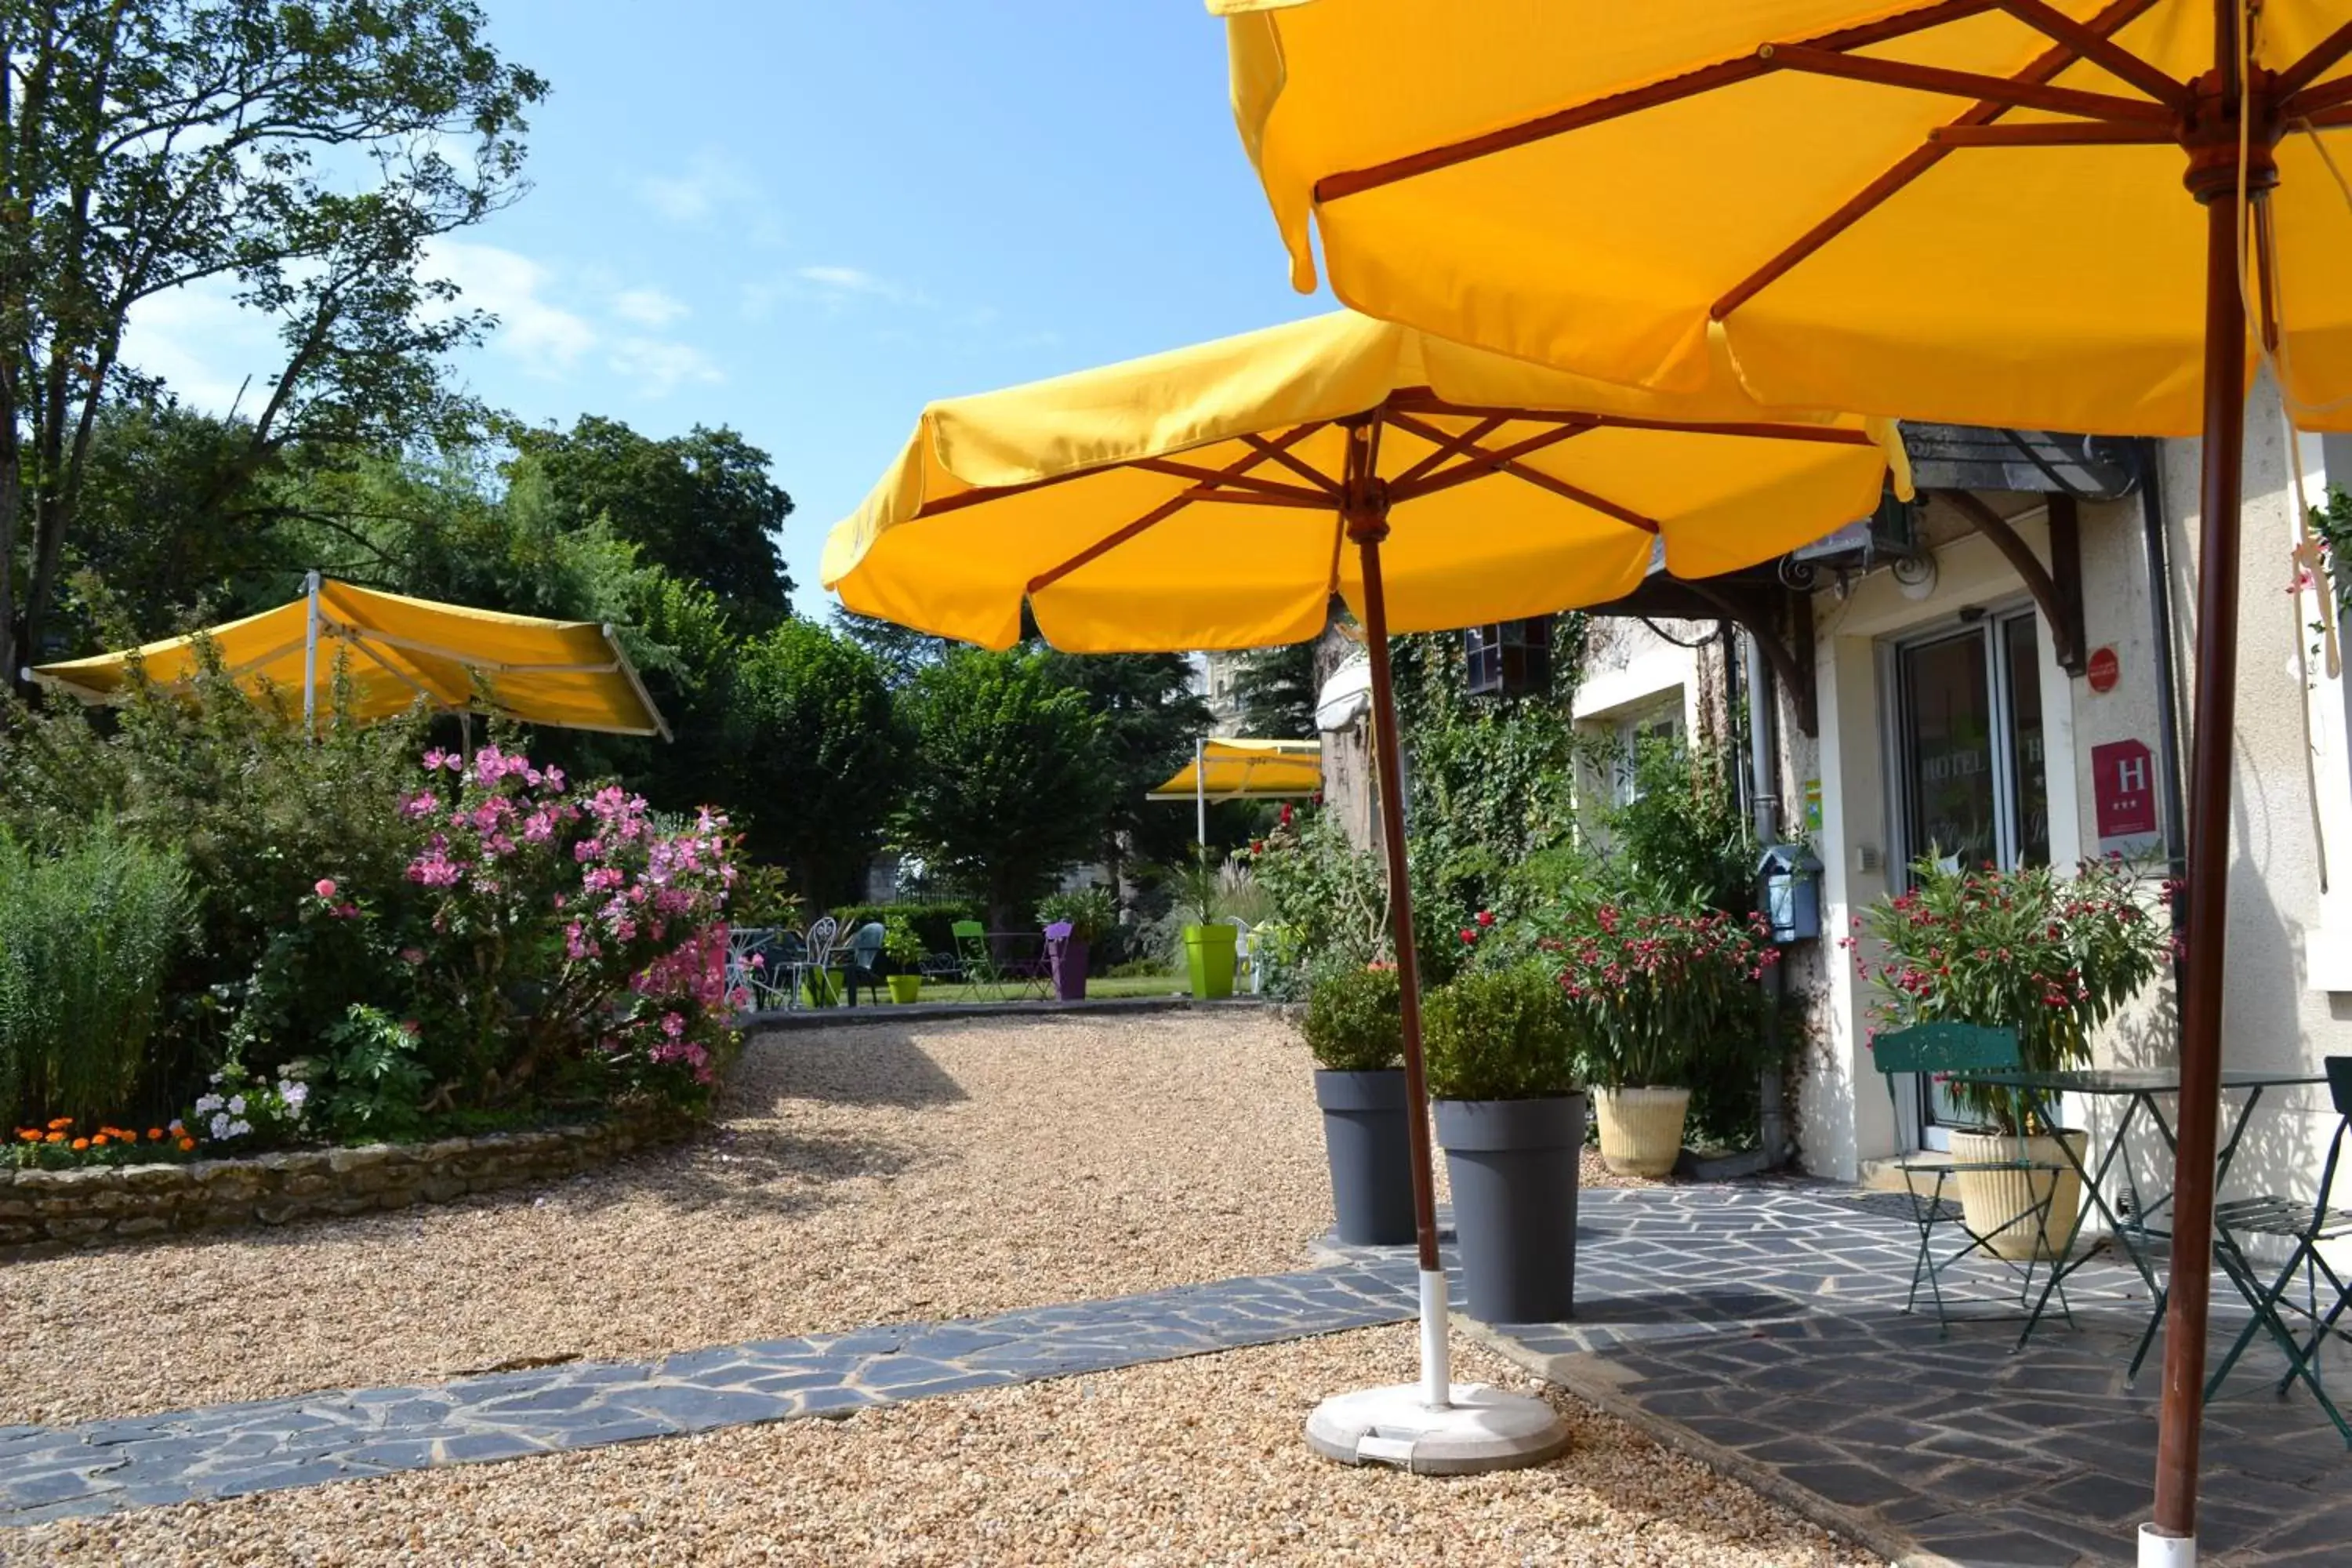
{"x": 2052, "y": 957}
{"x": 1654, "y": 989}
{"x": 563, "y": 943}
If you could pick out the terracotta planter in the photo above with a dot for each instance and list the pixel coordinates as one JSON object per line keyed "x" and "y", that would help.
{"x": 1640, "y": 1129}
{"x": 1992, "y": 1201}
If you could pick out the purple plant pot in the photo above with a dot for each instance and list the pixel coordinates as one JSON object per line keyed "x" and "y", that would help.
{"x": 1068, "y": 954}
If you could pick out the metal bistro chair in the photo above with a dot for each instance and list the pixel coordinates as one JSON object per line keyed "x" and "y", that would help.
{"x": 754, "y": 969}
{"x": 2307, "y": 1224}
{"x": 815, "y": 977}
{"x": 979, "y": 962}
{"x": 1937, "y": 1049}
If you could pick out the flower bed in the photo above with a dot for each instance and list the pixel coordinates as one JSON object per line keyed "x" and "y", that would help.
{"x": 53, "y": 1210}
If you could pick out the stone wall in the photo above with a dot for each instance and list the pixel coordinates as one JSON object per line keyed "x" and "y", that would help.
{"x": 50, "y": 1211}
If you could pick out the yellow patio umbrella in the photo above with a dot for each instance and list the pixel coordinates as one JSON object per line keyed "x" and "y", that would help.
{"x": 1234, "y": 768}
{"x": 573, "y": 674}
{"x": 1980, "y": 211}
{"x": 1222, "y": 495}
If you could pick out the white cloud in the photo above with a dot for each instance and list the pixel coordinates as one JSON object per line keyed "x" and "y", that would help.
{"x": 203, "y": 345}
{"x": 647, "y": 307}
{"x": 660, "y": 367}
{"x": 545, "y": 337}
{"x": 710, "y": 184}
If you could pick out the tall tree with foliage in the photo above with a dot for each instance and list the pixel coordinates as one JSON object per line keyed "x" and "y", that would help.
{"x": 1150, "y": 716}
{"x": 1276, "y": 688}
{"x": 304, "y": 151}
{"x": 903, "y": 651}
{"x": 700, "y": 506}
{"x": 821, "y": 758}
{"x": 1010, "y": 778}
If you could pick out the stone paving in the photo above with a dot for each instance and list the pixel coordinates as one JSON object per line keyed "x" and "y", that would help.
{"x": 1758, "y": 1326}
{"x": 225, "y": 1450}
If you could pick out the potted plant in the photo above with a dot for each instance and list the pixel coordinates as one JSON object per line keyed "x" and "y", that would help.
{"x": 1354, "y": 1025}
{"x": 1652, "y": 991}
{"x": 2050, "y": 957}
{"x": 1208, "y": 942}
{"x": 1500, "y": 1049}
{"x": 904, "y": 949}
{"x": 1072, "y": 921}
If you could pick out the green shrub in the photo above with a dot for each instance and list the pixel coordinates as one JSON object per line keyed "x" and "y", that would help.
{"x": 1354, "y": 1020}
{"x": 1091, "y": 910}
{"x": 1504, "y": 1034}
{"x": 376, "y": 1084}
{"x": 86, "y": 936}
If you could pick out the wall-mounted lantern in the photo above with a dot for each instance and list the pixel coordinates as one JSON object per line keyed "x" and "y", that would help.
{"x": 1509, "y": 659}
{"x": 1791, "y": 876}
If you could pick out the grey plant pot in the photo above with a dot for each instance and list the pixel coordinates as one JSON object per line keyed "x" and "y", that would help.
{"x": 1365, "y": 1143}
{"x": 1512, "y": 1164}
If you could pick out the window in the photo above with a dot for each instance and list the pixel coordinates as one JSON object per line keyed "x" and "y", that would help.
{"x": 1633, "y": 733}
{"x": 1509, "y": 659}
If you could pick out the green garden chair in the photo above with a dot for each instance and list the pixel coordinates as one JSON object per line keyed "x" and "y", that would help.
{"x": 1936, "y": 1049}
{"x": 981, "y": 970}
{"x": 2308, "y": 1223}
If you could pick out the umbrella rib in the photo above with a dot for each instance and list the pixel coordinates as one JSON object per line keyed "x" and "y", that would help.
{"x": 1476, "y": 459}
{"x": 1706, "y": 78}
{"x": 1487, "y": 427}
{"x": 2328, "y": 51}
{"x": 1504, "y": 463}
{"x": 1292, "y": 460}
{"x": 2012, "y": 92}
{"x": 2101, "y": 48}
{"x": 2312, "y": 101}
{"x": 1166, "y": 509}
{"x": 1911, "y": 166}
{"x": 1212, "y": 477}
{"x": 1832, "y": 435}
{"x": 2052, "y": 133}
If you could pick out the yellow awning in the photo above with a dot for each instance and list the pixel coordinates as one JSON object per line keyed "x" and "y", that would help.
{"x": 567, "y": 673}
{"x": 1189, "y": 500}
{"x": 1247, "y": 769}
{"x": 1605, "y": 188}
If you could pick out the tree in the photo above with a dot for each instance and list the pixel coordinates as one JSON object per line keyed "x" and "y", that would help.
{"x": 1277, "y": 688}
{"x": 305, "y": 151}
{"x": 821, "y": 756}
{"x": 1150, "y": 716}
{"x": 1010, "y": 778}
{"x": 700, "y": 506}
{"x": 903, "y": 650}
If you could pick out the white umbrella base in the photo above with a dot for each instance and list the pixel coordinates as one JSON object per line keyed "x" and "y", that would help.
{"x": 1483, "y": 1429}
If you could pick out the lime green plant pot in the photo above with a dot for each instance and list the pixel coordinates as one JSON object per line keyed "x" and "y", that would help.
{"x": 905, "y": 988}
{"x": 1209, "y": 955}
{"x": 822, "y": 989}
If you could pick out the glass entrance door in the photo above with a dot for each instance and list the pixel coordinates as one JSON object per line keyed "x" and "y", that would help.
{"x": 1971, "y": 776}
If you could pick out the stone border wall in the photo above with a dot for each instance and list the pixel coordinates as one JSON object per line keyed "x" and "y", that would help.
{"x": 53, "y": 1211}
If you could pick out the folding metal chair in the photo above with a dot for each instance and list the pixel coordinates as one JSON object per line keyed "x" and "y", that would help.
{"x": 1939, "y": 1048}
{"x": 2306, "y": 1224}
{"x": 979, "y": 965}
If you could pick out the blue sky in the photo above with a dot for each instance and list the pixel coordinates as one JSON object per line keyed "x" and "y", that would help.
{"x": 804, "y": 220}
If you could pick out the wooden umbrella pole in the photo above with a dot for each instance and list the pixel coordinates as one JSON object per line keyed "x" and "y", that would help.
{"x": 1365, "y": 512}
{"x": 2181, "y": 1411}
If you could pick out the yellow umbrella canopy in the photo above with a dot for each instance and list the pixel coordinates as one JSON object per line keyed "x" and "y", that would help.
{"x": 1219, "y": 496}
{"x": 1955, "y": 211}
{"x": 1191, "y": 499}
{"x": 1982, "y": 211}
{"x": 567, "y": 673}
{"x": 1235, "y": 769}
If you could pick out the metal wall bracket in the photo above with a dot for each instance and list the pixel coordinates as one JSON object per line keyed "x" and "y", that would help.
{"x": 2057, "y": 589}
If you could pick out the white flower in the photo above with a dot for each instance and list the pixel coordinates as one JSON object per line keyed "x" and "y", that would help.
{"x": 236, "y": 1105}
{"x": 208, "y": 1104}
{"x": 294, "y": 1094}
{"x": 239, "y": 1129}
{"x": 220, "y": 1125}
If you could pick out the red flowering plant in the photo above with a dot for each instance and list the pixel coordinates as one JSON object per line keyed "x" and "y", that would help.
{"x": 577, "y": 939}
{"x": 2052, "y": 957}
{"x": 1654, "y": 986}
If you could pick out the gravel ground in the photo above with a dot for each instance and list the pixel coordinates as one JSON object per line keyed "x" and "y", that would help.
{"x": 1186, "y": 1462}
{"x": 860, "y": 1176}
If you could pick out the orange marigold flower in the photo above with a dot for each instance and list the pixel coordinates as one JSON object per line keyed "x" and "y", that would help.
{"x": 154, "y": 1135}
{"x": 55, "y": 1137}
{"x": 59, "y": 1122}
{"x": 30, "y": 1134}
{"x": 187, "y": 1144}
{"x": 97, "y": 1143}
{"x": 80, "y": 1144}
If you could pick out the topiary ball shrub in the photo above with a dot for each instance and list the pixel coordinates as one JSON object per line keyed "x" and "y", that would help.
{"x": 1355, "y": 1020}
{"x": 1503, "y": 1033}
